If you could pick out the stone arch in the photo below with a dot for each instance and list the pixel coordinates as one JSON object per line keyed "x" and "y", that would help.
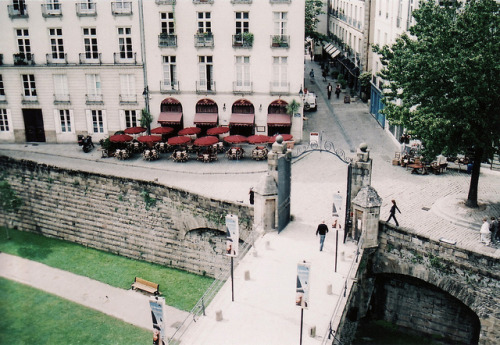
{"x": 414, "y": 304}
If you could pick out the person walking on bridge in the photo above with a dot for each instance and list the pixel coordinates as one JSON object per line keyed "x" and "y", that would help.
{"x": 322, "y": 230}
{"x": 393, "y": 212}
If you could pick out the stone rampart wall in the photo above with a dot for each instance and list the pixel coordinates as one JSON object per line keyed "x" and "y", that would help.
{"x": 138, "y": 219}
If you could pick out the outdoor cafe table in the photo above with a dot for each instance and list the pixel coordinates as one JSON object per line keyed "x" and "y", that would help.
{"x": 418, "y": 168}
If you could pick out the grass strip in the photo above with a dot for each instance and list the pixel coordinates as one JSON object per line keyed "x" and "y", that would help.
{"x": 181, "y": 289}
{"x": 31, "y": 316}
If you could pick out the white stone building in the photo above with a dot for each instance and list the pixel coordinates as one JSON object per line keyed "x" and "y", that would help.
{"x": 89, "y": 67}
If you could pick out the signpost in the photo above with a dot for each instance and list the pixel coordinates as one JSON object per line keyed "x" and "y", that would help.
{"x": 336, "y": 209}
{"x": 232, "y": 242}
{"x": 157, "y": 305}
{"x": 302, "y": 291}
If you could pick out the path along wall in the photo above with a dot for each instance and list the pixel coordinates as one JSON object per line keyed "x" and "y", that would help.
{"x": 138, "y": 219}
{"x": 428, "y": 286}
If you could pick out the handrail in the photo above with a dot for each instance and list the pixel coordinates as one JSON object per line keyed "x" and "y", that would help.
{"x": 207, "y": 297}
{"x": 342, "y": 295}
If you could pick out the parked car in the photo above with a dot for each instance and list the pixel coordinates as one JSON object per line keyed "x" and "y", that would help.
{"x": 310, "y": 102}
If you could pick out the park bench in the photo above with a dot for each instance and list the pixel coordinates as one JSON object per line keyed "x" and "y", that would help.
{"x": 144, "y": 285}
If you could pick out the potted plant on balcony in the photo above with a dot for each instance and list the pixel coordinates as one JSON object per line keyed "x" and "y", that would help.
{"x": 276, "y": 41}
{"x": 247, "y": 38}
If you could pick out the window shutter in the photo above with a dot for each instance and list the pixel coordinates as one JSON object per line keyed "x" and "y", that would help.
{"x": 57, "y": 121}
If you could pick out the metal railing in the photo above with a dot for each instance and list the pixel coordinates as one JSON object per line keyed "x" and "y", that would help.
{"x": 90, "y": 58}
{"x": 279, "y": 88}
{"x": 167, "y": 40}
{"x": 61, "y": 98}
{"x": 171, "y": 87}
{"x": 165, "y": 2}
{"x": 242, "y": 87}
{"x": 86, "y": 9}
{"x": 280, "y": 41}
{"x": 127, "y": 99}
{"x": 51, "y": 10}
{"x": 22, "y": 59}
{"x": 208, "y": 296}
{"x": 119, "y": 8}
{"x": 96, "y": 98}
{"x": 51, "y": 60}
{"x": 204, "y": 39}
{"x": 20, "y": 11}
{"x": 125, "y": 58}
{"x": 205, "y": 86}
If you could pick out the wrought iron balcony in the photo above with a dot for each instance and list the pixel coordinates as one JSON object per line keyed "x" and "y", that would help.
{"x": 205, "y": 86}
{"x": 57, "y": 58}
{"x": 90, "y": 58}
{"x": 243, "y": 40}
{"x": 119, "y": 8}
{"x": 280, "y": 41}
{"x": 51, "y": 10}
{"x": 279, "y": 88}
{"x": 3, "y": 99}
{"x": 280, "y": 1}
{"x": 205, "y": 39}
{"x": 241, "y": 1}
{"x": 86, "y": 9}
{"x": 203, "y": 1}
{"x": 33, "y": 98}
{"x": 61, "y": 98}
{"x": 22, "y": 59}
{"x": 169, "y": 87}
{"x": 128, "y": 99}
{"x": 94, "y": 99}
{"x": 127, "y": 58}
{"x": 242, "y": 87}
{"x": 167, "y": 40}
{"x": 17, "y": 11}
{"x": 165, "y": 2}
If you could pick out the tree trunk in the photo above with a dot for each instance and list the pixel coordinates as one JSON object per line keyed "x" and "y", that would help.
{"x": 474, "y": 179}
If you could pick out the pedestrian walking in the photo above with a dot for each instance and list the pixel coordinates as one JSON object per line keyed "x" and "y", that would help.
{"x": 324, "y": 74}
{"x": 485, "y": 231}
{"x": 337, "y": 91}
{"x": 393, "y": 212}
{"x": 329, "y": 90}
{"x": 251, "y": 195}
{"x": 494, "y": 230}
{"x": 321, "y": 231}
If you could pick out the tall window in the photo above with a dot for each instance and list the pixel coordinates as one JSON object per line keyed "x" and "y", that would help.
{"x": 23, "y": 42}
{"x": 53, "y": 5}
{"x": 29, "y": 85}
{"x": 169, "y": 73}
{"x": 65, "y": 120}
{"x": 97, "y": 121}
{"x": 204, "y": 22}
{"x": 167, "y": 22}
{"x": 280, "y": 23}
{"x": 94, "y": 92}
{"x": 280, "y": 72}
{"x": 90, "y": 43}
{"x": 242, "y": 22}
{"x": 56, "y": 44}
{"x": 242, "y": 71}
{"x": 4, "y": 121}
{"x": 131, "y": 119}
{"x": 127, "y": 85}
{"x": 2, "y": 89}
{"x": 125, "y": 43}
{"x": 19, "y": 6}
{"x": 61, "y": 91}
{"x": 205, "y": 64}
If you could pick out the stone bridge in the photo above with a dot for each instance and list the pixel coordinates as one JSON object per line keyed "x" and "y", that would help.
{"x": 433, "y": 287}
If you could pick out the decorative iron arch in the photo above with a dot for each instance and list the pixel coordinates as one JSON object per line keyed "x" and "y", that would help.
{"x": 327, "y": 146}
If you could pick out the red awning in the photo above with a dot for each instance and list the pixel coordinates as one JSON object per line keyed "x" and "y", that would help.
{"x": 241, "y": 119}
{"x": 282, "y": 120}
{"x": 170, "y": 118}
{"x": 206, "y": 119}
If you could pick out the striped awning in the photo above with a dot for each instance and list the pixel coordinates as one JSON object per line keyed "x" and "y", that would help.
{"x": 170, "y": 118}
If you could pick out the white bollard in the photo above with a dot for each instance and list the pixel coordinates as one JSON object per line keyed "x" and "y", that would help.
{"x": 218, "y": 315}
{"x": 312, "y": 332}
{"x": 247, "y": 275}
{"x": 329, "y": 289}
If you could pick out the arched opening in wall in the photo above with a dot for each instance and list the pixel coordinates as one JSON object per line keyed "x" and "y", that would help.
{"x": 206, "y": 115}
{"x": 242, "y": 119}
{"x": 278, "y": 121}
{"x": 171, "y": 114}
{"x": 421, "y": 308}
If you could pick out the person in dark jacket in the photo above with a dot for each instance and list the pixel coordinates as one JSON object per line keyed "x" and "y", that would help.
{"x": 393, "y": 212}
{"x": 322, "y": 230}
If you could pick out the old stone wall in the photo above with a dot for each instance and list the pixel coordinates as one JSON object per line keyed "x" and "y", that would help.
{"x": 142, "y": 220}
{"x": 469, "y": 277}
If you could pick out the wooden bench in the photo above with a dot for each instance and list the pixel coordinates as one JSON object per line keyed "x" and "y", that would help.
{"x": 144, "y": 285}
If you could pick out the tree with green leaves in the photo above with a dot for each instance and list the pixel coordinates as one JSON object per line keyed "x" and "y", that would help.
{"x": 443, "y": 81}
{"x": 9, "y": 201}
{"x": 146, "y": 119}
{"x": 313, "y": 9}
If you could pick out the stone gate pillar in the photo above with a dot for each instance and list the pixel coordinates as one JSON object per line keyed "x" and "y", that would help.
{"x": 366, "y": 215}
{"x": 361, "y": 170}
{"x": 266, "y": 195}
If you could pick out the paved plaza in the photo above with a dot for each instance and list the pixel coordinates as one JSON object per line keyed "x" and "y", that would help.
{"x": 263, "y": 311}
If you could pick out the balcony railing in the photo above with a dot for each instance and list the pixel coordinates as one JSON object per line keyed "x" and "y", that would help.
{"x": 90, "y": 58}
{"x": 119, "y": 8}
{"x": 93, "y": 99}
{"x": 205, "y": 86}
{"x": 84, "y": 9}
{"x": 169, "y": 87}
{"x": 242, "y": 87}
{"x": 17, "y": 11}
{"x": 280, "y": 1}
{"x": 205, "y": 39}
{"x": 203, "y": 1}
{"x": 51, "y": 10}
{"x": 280, "y": 41}
{"x": 128, "y": 99}
{"x": 29, "y": 98}
{"x": 165, "y": 2}
{"x": 167, "y": 40}
{"x": 125, "y": 58}
{"x": 241, "y": 1}
{"x": 22, "y": 59}
{"x": 3, "y": 99}
{"x": 56, "y": 58}
{"x": 61, "y": 98}
{"x": 243, "y": 40}
{"x": 279, "y": 88}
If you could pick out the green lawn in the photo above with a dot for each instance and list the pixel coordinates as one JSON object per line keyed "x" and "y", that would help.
{"x": 181, "y": 289}
{"x": 31, "y": 316}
